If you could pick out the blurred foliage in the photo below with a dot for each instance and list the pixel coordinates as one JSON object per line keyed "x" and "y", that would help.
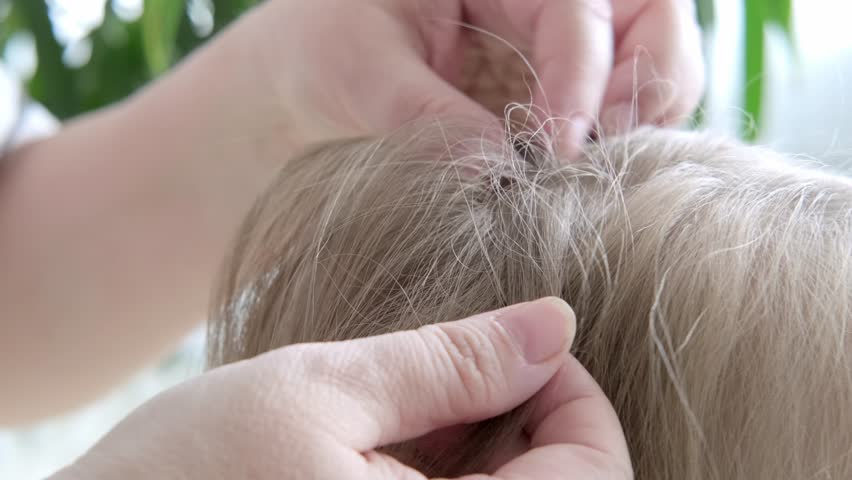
{"x": 758, "y": 16}
{"x": 126, "y": 55}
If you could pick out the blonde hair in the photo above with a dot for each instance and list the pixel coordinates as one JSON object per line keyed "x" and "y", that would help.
{"x": 712, "y": 282}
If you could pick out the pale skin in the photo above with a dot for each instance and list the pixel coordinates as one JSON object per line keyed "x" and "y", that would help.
{"x": 112, "y": 231}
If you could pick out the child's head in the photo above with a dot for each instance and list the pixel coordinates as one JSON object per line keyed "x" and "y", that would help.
{"x": 712, "y": 282}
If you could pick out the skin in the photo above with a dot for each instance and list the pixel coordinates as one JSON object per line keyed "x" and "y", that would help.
{"x": 113, "y": 230}
{"x": 464, "y": 371}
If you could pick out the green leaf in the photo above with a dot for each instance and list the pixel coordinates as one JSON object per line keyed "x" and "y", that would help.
{"x": 53, "y": 83}
{"x": 9, "y": 25}
{"x": 705, "y": 11}
{"x": 187, "y": 39}
{"x": 226, "y": 11}
{"x": 780, "y": 13}
{"x": 160, "y": 24}
{"x": 756, "y": 17}
{"x": 117, "y": 67}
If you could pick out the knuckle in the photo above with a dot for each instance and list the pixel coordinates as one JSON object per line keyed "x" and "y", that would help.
{"x": 472, "y": 359}
{"x": 347, "y": 374}
{"x": 314, "y": 363}
{"x": 268, "y": 393}
{"x": 254, "y": 389}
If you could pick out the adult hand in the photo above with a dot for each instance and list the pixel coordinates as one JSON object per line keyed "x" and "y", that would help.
{"x": 341, "y": 67}
{"x": 322, "y": 410}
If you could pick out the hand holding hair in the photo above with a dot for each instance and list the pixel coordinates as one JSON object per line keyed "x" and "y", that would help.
{"x": 371, "y": 66}
{"x": 322, "y": 410}
{"x": 113, "y": 229}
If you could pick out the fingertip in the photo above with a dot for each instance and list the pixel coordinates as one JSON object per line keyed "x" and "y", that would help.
{"x": 576, "y": 134}
{"x": 573, "y": 409}
{"x": 540, "y": 329}
{"x": 567, "y": 315}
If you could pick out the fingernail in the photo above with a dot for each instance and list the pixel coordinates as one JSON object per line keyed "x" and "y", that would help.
{"x": 540, "y": 329}
{"x": 618, "y": 119}
{"x": 578, "y": 131}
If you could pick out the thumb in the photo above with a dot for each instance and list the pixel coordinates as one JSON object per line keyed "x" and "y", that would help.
{"x": 402, "y": 385}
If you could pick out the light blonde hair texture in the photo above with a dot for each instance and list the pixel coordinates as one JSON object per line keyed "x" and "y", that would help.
{"x": 712, "y": 282}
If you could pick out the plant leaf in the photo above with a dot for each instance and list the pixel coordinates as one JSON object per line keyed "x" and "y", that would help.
{"x": 117, "y": 67}
{"x": 780, "y": 13}
{"x": 160, "y": 22}
{"x": 53, "y": 84}
{"x": 9, "y": 25}
{"x": 755, "y": 21}
{"x": 705, "y": 11}
{"x": 226, "y": 11}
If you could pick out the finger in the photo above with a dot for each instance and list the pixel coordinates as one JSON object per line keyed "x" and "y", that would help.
{"x": 572, "y": 409}
{"x": 573, "y": 53}
{"x": 386, "y": 389}
{"x": 385, "y": 467}
{"x": 659, "y": 70}
{"x": 416, "y": 91}
{"x": 572, "y": 427}
{"x": 572, "y": 44}
{"x": 681, "y": 113}
{"x": 404, "y": 81}
{"x": 420, "y": 95}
